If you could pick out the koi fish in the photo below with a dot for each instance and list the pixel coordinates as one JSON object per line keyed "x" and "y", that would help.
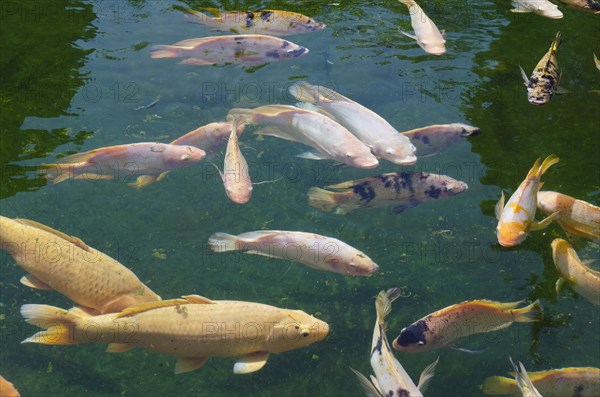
{"x": 540, "y": 7}
{"x": 523, "y": 381}
{"x": 576, "y": 217}
{"x": 466, "y": 318}
{"x": 277, "y": 23}
{"x": 7, "y": 389}
{"x": 517, "y": 218}
{"x": 248, "y": 49}
{"x": 576, "y": 382}
{"x": 543, "y": 83}
{"x": 327, "y": 137}
{"x": 585, "y": 5}
{"x": 402, "y": 190}
{"x": 434, "y": 139}
{"x": 151, "y": 160}
{"x": 427, "y": 35}
{"x": 210, "y": 137}
{"x": 585, "y": 281}
{"x": 390, "y": 377}
{"x": 193, "y": 329}
{"x": 596, "y": 61}
{"x": 57, "y": 261}
{"x": 372, "y": 129}
{"x": 313, "y": 250}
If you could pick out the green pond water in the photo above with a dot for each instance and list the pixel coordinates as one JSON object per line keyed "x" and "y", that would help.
{"x": 73, "y": 74}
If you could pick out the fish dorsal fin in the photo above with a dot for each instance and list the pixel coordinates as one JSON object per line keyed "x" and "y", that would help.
{"x": 275, "y": 110}
{"x": 194, "y": 42}
{"x": 115, "y": 151}
{"x": 499, "y": 305}
{"x": 342, "y": 186}
{"x": 73, "y": 240}
{"x": 143, "y": 307}
{"x": 309, "y": 93}
{"x": 197, "y": 299}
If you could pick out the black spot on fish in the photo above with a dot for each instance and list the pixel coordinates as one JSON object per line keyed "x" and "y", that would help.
{"x": 593, "y": 5}
{"x": 433, "y": 192}
{"x": 285, "y": 44}
{"x": 265, "y": 15}
{"x": 238, "y": 39}
{"x": 413, "y": 334}
{"x": 425, "y": 140}
{"x": 405, "y": 182}
{"x": 403, "y": 393}
{"x": 578, "y": 391}
{"x": 298, "y": 52}
{"x": 365, "y": 191}
{"x": 272, "y": 54}
{"x": 379, "y": 342}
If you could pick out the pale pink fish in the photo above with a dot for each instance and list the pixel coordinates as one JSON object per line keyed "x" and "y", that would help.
{"x": 434, "y": 139}
{"x": 278, "y": 23}
{"x": 235, "y": 175}
{"x": 372, "y": 129}
{"x": 576, "y": 217}
{"x": 314, "y": 250}
{"x": 517, "y": 218}
{"x": 427, "y": 35}
{"x": 330, "y": 139}
{"x": 210, "y": 137}
{"x": 149, "y": 161}
{"x": 248, "y": 49}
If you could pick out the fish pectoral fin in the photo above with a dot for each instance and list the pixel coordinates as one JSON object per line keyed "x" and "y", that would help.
{"x": 311, "y": 155}
{"x": 220, "y": 173}
{"x": 144, "y": 307}
{"x": 524, "y": 76}
{"x": 366, "y": 385}
{"x": 409, "y": 35}
{"x": 119, "y": 347}
{"x": 251, "y": 363}
{"x": 143, "y": 181}
{"x": 276, "y": 132}
{"x": 32, "y": 281}
{"x": 460, "y": 349}
{"x": 544, "y": 222}
{"x": 559, "y": 284}
{"x": 376, "y": 384}
{"x": 196, "y": 61}
{"x": 73, "y": 240}
{"x": 561, "y": 90}
{"x": 162, "y": 176}
{"x": 400, "y": 208}
{"x": 427, "y": 375}
{"x": 187, "y": 364}
{"x": 499, "y": 206}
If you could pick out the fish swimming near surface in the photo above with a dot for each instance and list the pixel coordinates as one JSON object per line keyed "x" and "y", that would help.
{"x": 517, "y": 218}
{"x": 329, "y": 139}
{"x": 543, "y": 83}
{"x": 313, "y": 250}
{"x": 434, "y": 139}
{"x": 592, "y": 6}
{"x": 540, "y": 7}
{"x": 565, "y": 382}
{"x": 149, "y": 161}
{"x": 427, "y": 35}
{"x": 57, "y": 261}
{"x": 523, "y": 381}
{"x": 372, "y": 129}
{"x": 7, "y": 389}
{"x": 192, "y": 328}
{"x": 210, "y": 137}
{"x": 464, "y": 319}
{"x": 576, "y": 217}
{"x": 277, "y": 23}
{"x": 401, "y": 190}
{"x": 596, "y": 62}
{"x": 247, "y": 49}
{"x": 390, "y": 380}
{"x": 585, "y": 281}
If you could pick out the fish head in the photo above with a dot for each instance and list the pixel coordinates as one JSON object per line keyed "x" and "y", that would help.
{"x": 433, "y": 47}
{"x": 549, "y": 10}
{"x": 467, "y": 131}
{"x": 442, "y": 186}
{"x": 361, "y": 265}
{"x": 403, "y": 154}
{"x": 360, "y": 159}
{"x": 296, "y": 330}
{"x": 305, "y": 25}
{"x": 539, "y": 94}
{"x": 510, "y": 233}
{"x": 412, "y": 339}
{"x": 239, "y": 193}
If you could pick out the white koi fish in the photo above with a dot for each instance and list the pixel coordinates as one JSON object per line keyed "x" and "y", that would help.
{"x": 434, "y": 139}
{"x": 540, "y": 7}
{"x": 517, "y": 218}
{"x": 390, "y": 380}
{"x": 372, "y": 129}
{"x": 427, "y": 35}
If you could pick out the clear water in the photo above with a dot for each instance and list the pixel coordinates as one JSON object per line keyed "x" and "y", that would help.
{"x": 73, "y": 74}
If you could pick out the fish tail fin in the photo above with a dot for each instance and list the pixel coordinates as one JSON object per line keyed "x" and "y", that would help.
{"x": 59, "y": 324}
{"x": 557, "y": 42}
{"x": 164, "y": 51}
{"x": 499, "y": 385}
{"x": 529, "y": 314}
{"x": 325, "y": 200}
{"x": 547, "y": 163}
{"x": 223, "y": 242}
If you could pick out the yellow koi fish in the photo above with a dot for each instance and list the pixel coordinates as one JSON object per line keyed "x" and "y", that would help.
{"x": 390, "y": 380}
{"x": 565, "y": 382}
{"x": 193, "y": 329}
{"x": 576, "y": 217}
{"x": 543, "y": 83}
{"x": 466, "y": 318}
{"x": 517, "y": 218}
{"x": 7, "y": 389}
{"x": 57, "y": 261}
{"x": 585, "y": 281}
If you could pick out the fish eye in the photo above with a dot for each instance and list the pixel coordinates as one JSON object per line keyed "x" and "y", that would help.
{"x": 389, "y": 151}
{"x": 305, "y": 333}
{"x": 352, "y": 265}
{"x": 420, "y": 343}
{"x": 185, "y": 157}
{"x": 348, "y": 155}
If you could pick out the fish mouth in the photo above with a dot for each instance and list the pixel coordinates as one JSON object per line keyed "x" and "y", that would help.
{"x": 436, "y": 51}
{"x": 406, "y": 160}
{"x": 299, "y": 52}
{"x": 367, "y": 164}
{"x": 468, "y": 132}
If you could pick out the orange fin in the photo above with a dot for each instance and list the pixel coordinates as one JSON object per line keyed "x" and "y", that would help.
{"x": 32, "y": 281}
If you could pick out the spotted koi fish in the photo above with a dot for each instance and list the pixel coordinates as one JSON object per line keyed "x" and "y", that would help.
{"x": 517, "y": 218}
{"x": 585, "y": 5}
{"x": 390, "y": 380}
{"x": 543, "y": 83}
{"x": 463, "y": 319}
{"x": 247, "y": 49}
{"x": 278, "y": 23}
{"x": 402, "y": 190}
{"x": 565, "y": 382}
